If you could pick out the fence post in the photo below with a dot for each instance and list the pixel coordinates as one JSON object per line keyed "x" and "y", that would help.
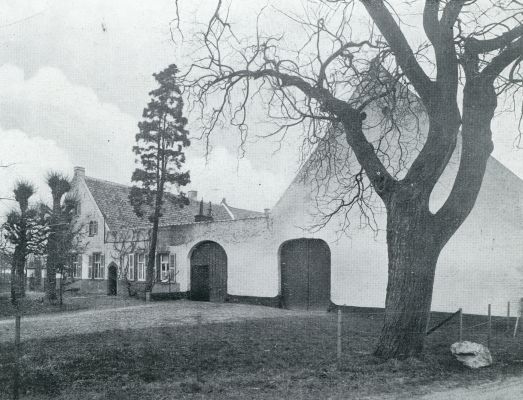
{"x": 16, "y": 380}
{"x": 338, "y": 347}
{"x": 489, "y": 326}
{"x": 460, "y": 325}
{"x": 518, "y": 316}
{"x": 508, "y": 316}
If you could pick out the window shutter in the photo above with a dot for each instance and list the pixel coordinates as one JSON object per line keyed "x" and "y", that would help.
{"x": 158, "y": 267}
{"x": 79, "y": 260}
{"x": 130, "y": 267}
{"x": 90, "y": 267}
{"x": 146, "y": 266}
{"x": 102, "y": 266}
{"x": 172, "y": 267}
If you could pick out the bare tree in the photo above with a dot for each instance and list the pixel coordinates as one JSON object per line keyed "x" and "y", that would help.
{"x": 69, "y": 235}
{"x": 125, "y": 243}
{"x": 59, "y": 186}
{"x": 341, "y": 70}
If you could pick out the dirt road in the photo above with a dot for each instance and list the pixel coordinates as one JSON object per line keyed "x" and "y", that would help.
{"x": 135, "y": 317}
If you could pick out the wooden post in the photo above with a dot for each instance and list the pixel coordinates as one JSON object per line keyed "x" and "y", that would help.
{"x": 338, "y": 347}
{"x": 460, "y": 337}
{"x": 489, "y": 335}
{"x": 16, "y": 378}
{"x": 518, "y": 317}
{"x": 508, "y": 316}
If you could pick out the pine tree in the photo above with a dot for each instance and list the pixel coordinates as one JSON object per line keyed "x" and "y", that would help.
{"x": 160, "y": 150}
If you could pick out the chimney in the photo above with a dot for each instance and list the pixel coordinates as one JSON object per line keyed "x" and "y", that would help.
{"x": 79, "y": 172}
{"x": 266, "y": 211}
{"x": 192, "y": 195}
{"x": 201, "y": 217}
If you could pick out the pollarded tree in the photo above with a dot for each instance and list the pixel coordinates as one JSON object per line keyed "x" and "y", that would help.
{"x": 343, "y": 67}
{"x": 59, "y": 186}
{"x": 160, "y": 148}
{"x": 26, "y": 232}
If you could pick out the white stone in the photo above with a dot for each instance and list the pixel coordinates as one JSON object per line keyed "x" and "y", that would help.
{"x": 473, "y": 355}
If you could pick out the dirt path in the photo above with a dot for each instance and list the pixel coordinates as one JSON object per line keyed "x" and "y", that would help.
{"x": 509, "y": 389}
{"x": 135, "y": 317}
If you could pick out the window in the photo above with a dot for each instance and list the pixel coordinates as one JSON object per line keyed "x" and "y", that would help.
{"x": 97, "y": 268}
{"x": 163, "y": 261}
{"x": 93, "y": 228}
{"x": 140, "y": 266}
{"x": 76, "y": 266}
{"x": 130, "y": 267}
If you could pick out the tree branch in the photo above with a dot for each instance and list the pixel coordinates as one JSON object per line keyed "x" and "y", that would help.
{"x": 402, "y": 50}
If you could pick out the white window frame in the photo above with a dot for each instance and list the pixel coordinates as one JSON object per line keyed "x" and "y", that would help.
{"x": 93, "y": 228}
{"x": 76, "y": 266}
{"x": 98, "y": 267}
{"x": 130, "y": 267}
{"x": 164, "y": 266}
{"x": 140, "y": 266}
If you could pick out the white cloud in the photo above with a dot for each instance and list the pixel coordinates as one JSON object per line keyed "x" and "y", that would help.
{"x": 52, "y": 123}
{"x": 94, "y": 134}
{"x": 29, "y": 158}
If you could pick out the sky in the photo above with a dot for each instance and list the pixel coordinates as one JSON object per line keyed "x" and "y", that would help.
{"x": 74, "y": 78}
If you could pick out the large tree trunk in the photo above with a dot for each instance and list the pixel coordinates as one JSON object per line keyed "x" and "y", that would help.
{"x": 413, "y": 254}
{"x": 151, "y": 262}
{"x": 152, "y": 254}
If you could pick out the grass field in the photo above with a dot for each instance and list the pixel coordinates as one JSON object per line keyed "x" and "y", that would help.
{"x": 292, "y": 357}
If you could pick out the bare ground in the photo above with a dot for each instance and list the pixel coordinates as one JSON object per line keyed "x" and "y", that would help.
{"x": 152, "y": 315}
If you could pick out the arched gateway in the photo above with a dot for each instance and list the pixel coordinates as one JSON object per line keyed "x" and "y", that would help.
{"x": 305, "y": 274}
{"x": 208, "y": 272}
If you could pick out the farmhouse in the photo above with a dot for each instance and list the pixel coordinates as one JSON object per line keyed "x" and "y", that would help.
{"x": 295, "y": 257}
{"x": 223, "y": 253}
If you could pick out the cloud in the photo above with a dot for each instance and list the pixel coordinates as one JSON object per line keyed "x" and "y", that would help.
{"x": 51, "y": 123}
{"x": 94, "y": 134}
{"x": 29, "y": 158}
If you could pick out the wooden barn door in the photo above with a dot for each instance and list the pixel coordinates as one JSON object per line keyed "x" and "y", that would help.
{"x": 209, "y": 272}
{"x": 305, "y": 274}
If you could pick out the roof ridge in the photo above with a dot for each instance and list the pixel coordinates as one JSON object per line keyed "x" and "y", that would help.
{"x": 109, "y": 182}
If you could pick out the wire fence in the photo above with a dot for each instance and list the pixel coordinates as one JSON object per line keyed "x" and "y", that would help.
{"x": 201, "y": 343}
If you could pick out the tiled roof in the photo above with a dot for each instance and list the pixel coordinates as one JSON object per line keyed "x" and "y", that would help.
{"x": 113, "y": 201}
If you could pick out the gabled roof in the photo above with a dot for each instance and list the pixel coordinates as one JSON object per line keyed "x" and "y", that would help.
{"x": 113, "y": 201}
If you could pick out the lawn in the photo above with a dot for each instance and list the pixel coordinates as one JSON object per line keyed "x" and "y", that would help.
{"x": 292, "y": 357}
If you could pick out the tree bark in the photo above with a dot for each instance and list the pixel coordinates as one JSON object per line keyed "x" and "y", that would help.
{"x": 151, "y": 262}
{"x": 152, "y": 253}
{"x": 413, "y": 255}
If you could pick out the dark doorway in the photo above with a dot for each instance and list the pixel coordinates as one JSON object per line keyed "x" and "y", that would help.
{"x": 200, "y": 285}
{"x": 112, "y": 277}
{"x": 208, "y": 272}
{"x": 305, "y": 274}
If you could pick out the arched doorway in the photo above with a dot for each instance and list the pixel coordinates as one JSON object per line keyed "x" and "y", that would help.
{"x": 208, "y": 272}
{"x": 112, "y": 280}
{"x": 305, "y": 266}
